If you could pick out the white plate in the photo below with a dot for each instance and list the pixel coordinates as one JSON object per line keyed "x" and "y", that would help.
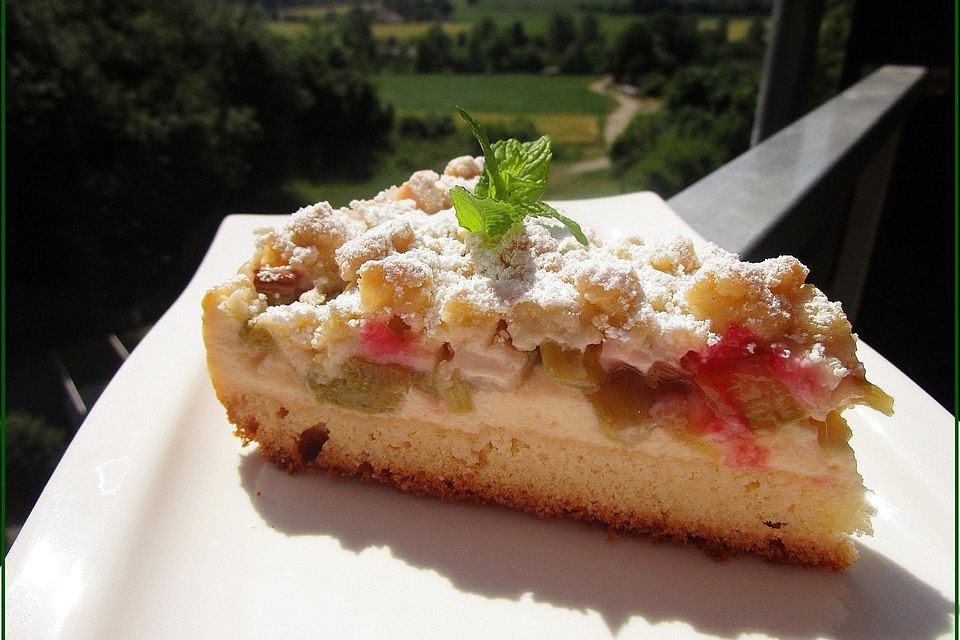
{"x": 157, "y": 524}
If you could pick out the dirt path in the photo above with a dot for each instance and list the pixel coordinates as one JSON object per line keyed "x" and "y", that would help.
{"x": 619, "y": 118}
{"x": 615, "y": 124}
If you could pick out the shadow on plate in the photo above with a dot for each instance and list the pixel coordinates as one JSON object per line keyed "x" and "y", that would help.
{"x": 499, "y": 553}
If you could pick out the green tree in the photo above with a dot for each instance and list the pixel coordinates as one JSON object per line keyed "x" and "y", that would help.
{"x": 478, "y": 46}
{"x": 590, "y": 29}
{"x": 722, "y": 33}
{"x": 134, "y": 126}
{"x": 665, "y": 152}
{"x": 756, "y": 34}
{"x": 677, "y": 40}
{"x": 672, "y": 163}
{"x": 586, "y": 54}
{"x": 356, "y": 33}
{"x": 518, "y": 36}
{"x": 633, "y": 54}
{"x": 576, "y": 60}
{"x": 561, "y": 32}
{"x": 34, "y": 447}
{"x": 831, "y": 48}
{"x": 434, "y": 51}
{"x": 420, "y": 10}
{"x": 340, "y": 110}
{"x": 499, "y": 53}
{"x": 705, "y": 121}
{"x": 690, "y": 87}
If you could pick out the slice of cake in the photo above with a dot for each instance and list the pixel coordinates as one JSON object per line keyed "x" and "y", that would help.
{"x": 653, "y": 387}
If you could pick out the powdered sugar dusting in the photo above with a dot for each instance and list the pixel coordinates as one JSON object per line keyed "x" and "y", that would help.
{"x": 402, "y": 253}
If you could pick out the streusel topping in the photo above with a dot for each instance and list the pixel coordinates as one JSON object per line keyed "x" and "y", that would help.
{"x": 403, "y": 255}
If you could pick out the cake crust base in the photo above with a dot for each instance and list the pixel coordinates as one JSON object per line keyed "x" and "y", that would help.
{"x": 493, "y": 467}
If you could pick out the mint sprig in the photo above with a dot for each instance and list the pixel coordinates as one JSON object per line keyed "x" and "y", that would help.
{"x": 509, "y": 190}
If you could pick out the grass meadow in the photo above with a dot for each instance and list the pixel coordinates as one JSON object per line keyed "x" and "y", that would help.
{"x": 563, "y": 107}
{"x": 515, "y": 93}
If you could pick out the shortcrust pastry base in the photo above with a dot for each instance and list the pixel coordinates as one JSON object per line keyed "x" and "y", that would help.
{"x": 725, "y": 510}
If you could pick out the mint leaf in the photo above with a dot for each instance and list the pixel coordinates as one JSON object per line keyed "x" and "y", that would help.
{"x": 483, "y": 215}
{"x": 490, "y": 169}
{"x": 509, "y": 189}
{"x": 469, "y": 211}
{"x": 524, "y": 167}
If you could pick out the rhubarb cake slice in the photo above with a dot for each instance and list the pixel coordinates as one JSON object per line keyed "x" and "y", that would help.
{"x": 655, "y": 387}
{"x": 650, "y": 386}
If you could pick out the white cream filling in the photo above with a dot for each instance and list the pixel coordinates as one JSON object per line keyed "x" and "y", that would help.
{"x": 616, "y": 353}
{"x": 496, "y": 366}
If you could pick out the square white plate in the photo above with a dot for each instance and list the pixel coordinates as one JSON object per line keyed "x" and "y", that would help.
{"x": 157, "y": 524}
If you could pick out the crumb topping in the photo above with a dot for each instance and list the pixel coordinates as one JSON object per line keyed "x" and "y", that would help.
{"x": 402, "y": 254}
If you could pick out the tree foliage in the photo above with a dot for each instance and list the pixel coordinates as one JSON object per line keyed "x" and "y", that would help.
{"x": 831, "y": 47}
{"x": 434, "y": 51}
{"x": 33, "y": 448}
{"x": 561, "y": 31}
{"x": 705, "y": 7}
{"x": 633, "y": 54}
{"x": 705, "y": 121}
{"x": 134, "y": 125}
{"x": 420, "y": 10}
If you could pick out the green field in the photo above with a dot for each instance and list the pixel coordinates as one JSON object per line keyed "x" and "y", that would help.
{"x": 288, "y": 29}
{"x": 406, "y": 31}
{"x": 500, "y": 93}
{"x": 308, "y": 11}
{"x": 562, "y": 106}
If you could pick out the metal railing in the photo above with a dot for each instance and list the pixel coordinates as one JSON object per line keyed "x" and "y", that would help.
{"x": 81, "y": 391}
{"x": 816, "y": 189}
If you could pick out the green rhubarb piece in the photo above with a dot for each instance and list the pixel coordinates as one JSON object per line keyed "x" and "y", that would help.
{"x": 365, "y": 386}
{"x": 572, "y": 367}
{"x": 766, "y": 404}
{"x": 877, "y": 399}
{"x": 256, "y": 337}
{"x": 456, "y": 394}
{"x": 622, "y": 404}
{"x": 834, "y": 431}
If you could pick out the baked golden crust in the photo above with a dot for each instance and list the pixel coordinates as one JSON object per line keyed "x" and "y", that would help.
{"x": 320, "y": 449}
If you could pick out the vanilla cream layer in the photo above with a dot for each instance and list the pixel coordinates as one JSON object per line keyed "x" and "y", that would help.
{"x": 537, "y": 405}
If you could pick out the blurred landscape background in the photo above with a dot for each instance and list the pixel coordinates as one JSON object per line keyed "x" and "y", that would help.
{"x": 135, "y": 126}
